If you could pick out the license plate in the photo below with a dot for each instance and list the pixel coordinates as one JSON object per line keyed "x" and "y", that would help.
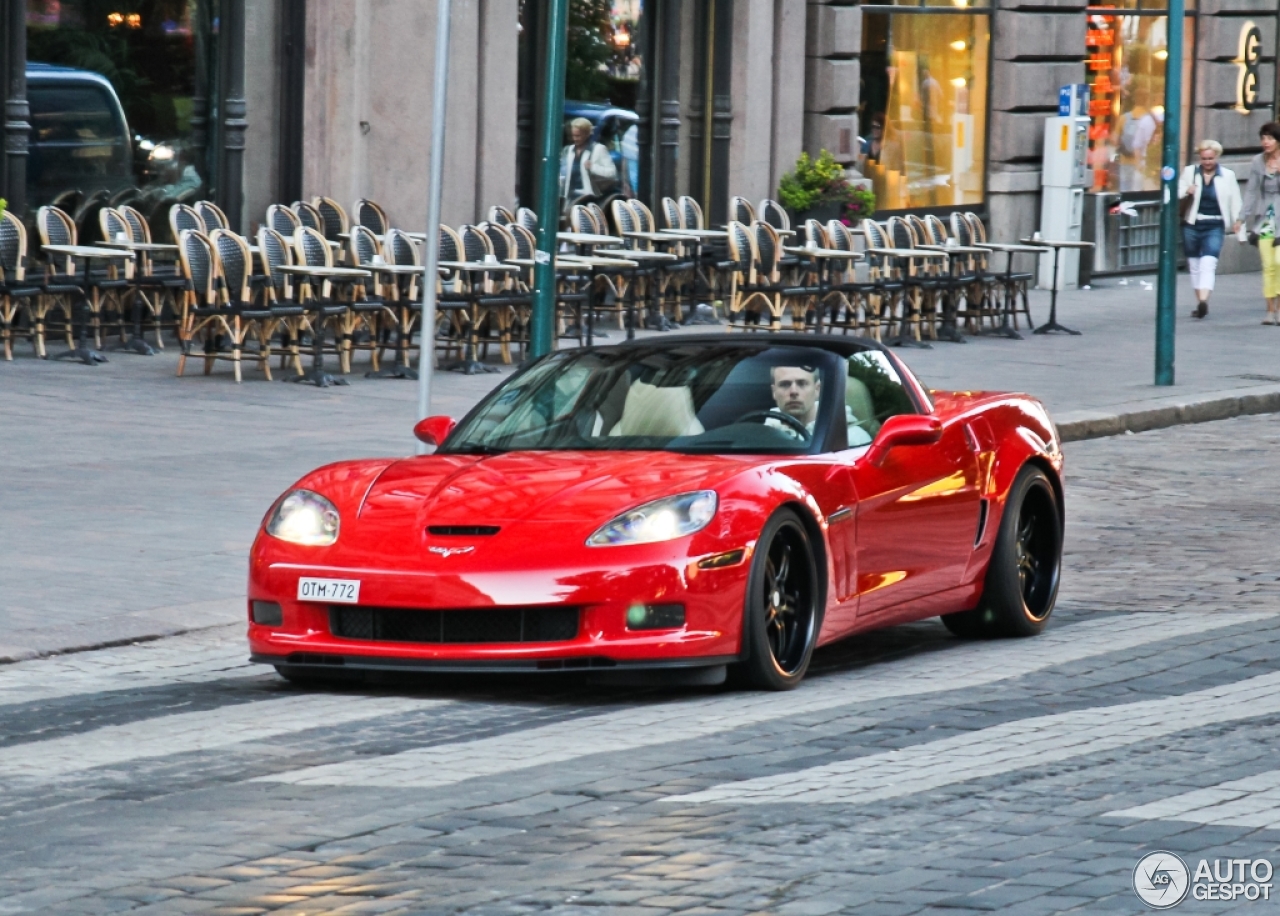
{"x": 336, "y": 591}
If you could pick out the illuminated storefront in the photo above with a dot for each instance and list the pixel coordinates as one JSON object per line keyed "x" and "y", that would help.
{"x": 925, "y": 73}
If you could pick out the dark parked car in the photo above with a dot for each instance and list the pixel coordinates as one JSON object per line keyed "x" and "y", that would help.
{"x": 79, "y": 136}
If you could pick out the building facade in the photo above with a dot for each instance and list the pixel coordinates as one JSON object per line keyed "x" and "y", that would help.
{"x": 940, "y": 103}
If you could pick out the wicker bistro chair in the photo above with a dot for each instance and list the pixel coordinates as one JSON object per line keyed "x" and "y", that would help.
{"x": 502, "y": 239}
{"x": 501, "y": 215}
{"x": 886, "y": 277}
{"x": 853, "y": 302}
{"x": 671, "y": 214}
{"x": 403, "y": 291}
{"x": 773, "y": 213}
{"x": 183, "y": 217}
{"x": 742, "y": 211}
{"x": 334, "y": 222}
{"x": 279, "y": 295}
{"x": 232, "y": 311}
{"x": 282, "y": 220}
{"x": 492, "y": 296}
{"x": 757, "y": 283}
{"x": 312, "y": 250}
{"x": 212, "y": 215}
{"x": 370, "y": 214}
{"x": 527, "y": 218}
{"x": 308, "y": 215}
{"x": 1015, "y": 285}
{"x": 18, "y": 296}
{"x": 100, "y": 289}
{"x": 370, "y": 309}
{"x": 690, "y": 213}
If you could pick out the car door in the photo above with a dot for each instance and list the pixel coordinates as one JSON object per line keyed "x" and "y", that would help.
{"x": 917, "y": 505}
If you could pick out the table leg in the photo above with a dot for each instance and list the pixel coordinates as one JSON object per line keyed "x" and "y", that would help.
{"x": 137, "y": 343}
{"x": 470, "y": 363}
{"x": 82, "y": 350}
{"x": 655, "y": 320}
{"x": 950, "y": 330}
{"x": 1006, "y": 312}
{"x": 400, "y": 368}
{"x": 1052, "y": 324}
{"x": 316, "y": 375}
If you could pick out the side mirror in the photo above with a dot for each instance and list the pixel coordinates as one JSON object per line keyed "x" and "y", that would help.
{"x": 434, "y": 430}
{"x": 904, "y": 429}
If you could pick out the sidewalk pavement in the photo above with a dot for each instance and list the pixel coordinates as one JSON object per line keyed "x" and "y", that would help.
{"x": 132, "y": 496}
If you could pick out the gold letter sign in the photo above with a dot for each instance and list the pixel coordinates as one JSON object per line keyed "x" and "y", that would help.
{"x": 1250, "y": 56}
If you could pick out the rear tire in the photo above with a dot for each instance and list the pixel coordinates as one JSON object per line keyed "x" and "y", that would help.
{"x": 783, "y": 606}
{"x": 1021, "y": 586}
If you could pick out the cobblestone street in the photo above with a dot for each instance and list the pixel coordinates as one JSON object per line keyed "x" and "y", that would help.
{"x": 912, "y": 773}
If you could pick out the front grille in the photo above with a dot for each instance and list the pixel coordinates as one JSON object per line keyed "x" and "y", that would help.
{"x": 481, "y": 531}
{"x": 385, "y": 624}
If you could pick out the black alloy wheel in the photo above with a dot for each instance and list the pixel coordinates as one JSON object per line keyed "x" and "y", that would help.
{"x": 782, "y": 611}
{"x": 1026, "y": 562}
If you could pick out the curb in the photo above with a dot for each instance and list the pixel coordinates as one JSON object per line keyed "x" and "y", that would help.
{"x": 1139, "y": 421}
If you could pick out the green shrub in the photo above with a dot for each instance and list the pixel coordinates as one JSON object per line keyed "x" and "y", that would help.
{"x": 821, "y": 180}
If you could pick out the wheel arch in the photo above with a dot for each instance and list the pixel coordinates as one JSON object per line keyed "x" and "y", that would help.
{"x": 1055, "y": 481}
{"x": 817, "y": 537}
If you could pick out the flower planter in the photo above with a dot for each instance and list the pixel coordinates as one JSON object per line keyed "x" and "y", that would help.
{"x": 823, "y": 212}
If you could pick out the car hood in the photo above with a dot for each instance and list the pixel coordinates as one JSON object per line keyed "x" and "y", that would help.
{"x": 577, "y": 487}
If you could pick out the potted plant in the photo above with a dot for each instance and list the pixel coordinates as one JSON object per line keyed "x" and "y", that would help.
{"x": 818, "y": 189}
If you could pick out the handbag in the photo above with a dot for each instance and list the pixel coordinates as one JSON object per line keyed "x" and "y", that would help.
{"x": 1184, "y": 204}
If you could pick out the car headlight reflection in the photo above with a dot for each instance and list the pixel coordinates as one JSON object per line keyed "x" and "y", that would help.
{"x": 660, "y": 520}
{"x": 306, "y": 518}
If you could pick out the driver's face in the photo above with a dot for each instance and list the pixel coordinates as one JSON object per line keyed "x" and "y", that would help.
{"x": 796, "y": 392}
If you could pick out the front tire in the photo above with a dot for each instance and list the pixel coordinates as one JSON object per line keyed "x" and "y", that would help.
{"x": 1022, "y": 580}
{"x": 783, "y": 606}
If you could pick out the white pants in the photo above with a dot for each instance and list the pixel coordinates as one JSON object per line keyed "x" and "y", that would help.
{"x": 1203, "y": 272}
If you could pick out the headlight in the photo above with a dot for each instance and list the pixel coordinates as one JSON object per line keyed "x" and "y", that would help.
{"x": 660, "y": 520}
{"x": 306, "y": 518}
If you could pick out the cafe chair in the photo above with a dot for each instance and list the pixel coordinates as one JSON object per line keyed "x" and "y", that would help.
{"x": 18, "y": 296}
{"x": 334, "y": 222}
{"x": 312, "y": 250}
{"x": 64, "y": 283}
{"x": 773, "y": 213}
{"x": 309, "y": 216}
{"x": 371, "y": 315}
{"x": 527, "y": 218}
{"x": 239, "y": 317}
{"x": 742, "y": 210}
{"x": 212, "y": 215}
{"x": 278, "y": 294}
{"x": 370, "y": 214}
{"x": 886, "y": 278}
{"x": 282, "y": 220}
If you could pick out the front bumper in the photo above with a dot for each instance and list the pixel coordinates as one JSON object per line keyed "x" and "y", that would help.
{"x": 601, "y": 583}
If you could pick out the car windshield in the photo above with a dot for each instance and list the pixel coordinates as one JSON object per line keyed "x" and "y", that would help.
{"x": 712, "y": 397}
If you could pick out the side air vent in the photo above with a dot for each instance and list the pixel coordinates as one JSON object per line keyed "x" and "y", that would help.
{"x": 463, "y": 531}
{"x": 982, "y": 522}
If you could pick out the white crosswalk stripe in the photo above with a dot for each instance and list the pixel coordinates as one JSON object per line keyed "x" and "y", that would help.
{"x": 1250, "y": 802}
{"x": 1003, "y": 748}
{"x": 164, "y": 736}
{"x": 958, "y": 667}
{"x": 190, "y": 658}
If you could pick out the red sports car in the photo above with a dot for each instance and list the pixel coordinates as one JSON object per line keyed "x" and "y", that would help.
{"x": 705, "y": 503}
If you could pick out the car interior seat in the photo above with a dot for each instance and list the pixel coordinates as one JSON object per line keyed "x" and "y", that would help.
{"x": 860, "y": 412}
{"x": 654, "y": 411}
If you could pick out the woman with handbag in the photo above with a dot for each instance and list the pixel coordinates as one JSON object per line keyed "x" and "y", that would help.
{"x": 1261, "y": 206}
{"x": 1209, "y": 201}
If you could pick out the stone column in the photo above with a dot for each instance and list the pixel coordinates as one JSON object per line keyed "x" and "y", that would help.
{"x": 833, "y": 48}
{"x": 1037, "y": 46}
{"x": 17, "y": 113}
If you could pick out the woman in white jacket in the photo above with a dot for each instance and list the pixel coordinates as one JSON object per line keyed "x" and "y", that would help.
{"x": 1215, "y": 206}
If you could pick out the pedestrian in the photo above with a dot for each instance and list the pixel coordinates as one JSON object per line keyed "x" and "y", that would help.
{"x": 1211, "y": 195}
{"x": 587, "y": 171}
{"x": 1258, "y": 216}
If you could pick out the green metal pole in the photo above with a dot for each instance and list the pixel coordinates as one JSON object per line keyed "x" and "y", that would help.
{"x": 1167, "y": 280}
{"x": 548, "y": 200}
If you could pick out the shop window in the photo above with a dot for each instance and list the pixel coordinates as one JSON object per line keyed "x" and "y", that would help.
{"x": 924, "y": 107}
{"x": 1126, "y": 61}
{"x": 118, "y": 95}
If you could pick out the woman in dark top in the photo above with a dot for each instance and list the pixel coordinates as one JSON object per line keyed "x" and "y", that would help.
{"x": 1260, "y": 211}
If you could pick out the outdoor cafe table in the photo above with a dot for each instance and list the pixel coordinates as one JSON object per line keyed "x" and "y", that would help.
{"x": 137, "y": 343}
{"x": 316, "y": 374}
{"x": 588, "y": 239}
{"x": 1006, "y": 328}
{"x": 1057, "y": 245}
{"x": 469, "y": 364}
{"x": 903, "y": 337}
{"x": 401, "y": 367}
{"x": 655, "y": 320}
{"x": 950, "y": 329}
{"x": 823, "y": 258}
{"x": 88, "y": 253}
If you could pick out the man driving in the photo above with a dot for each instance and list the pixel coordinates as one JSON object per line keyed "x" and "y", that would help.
{"x": 795, "y": 390}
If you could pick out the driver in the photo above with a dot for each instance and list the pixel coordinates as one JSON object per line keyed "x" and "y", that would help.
{"x": 795, "y": 390}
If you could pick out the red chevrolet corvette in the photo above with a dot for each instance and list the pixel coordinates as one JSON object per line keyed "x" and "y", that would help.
{"x": 703, "y": 503}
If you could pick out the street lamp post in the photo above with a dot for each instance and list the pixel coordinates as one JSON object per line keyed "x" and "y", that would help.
{"x": 1167, "y": 279}
{"x": 548, "y": 200}
{"x": 439, "y": 102}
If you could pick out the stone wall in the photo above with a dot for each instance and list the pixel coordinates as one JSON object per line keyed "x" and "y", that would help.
{"x": 833, "y": 45}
